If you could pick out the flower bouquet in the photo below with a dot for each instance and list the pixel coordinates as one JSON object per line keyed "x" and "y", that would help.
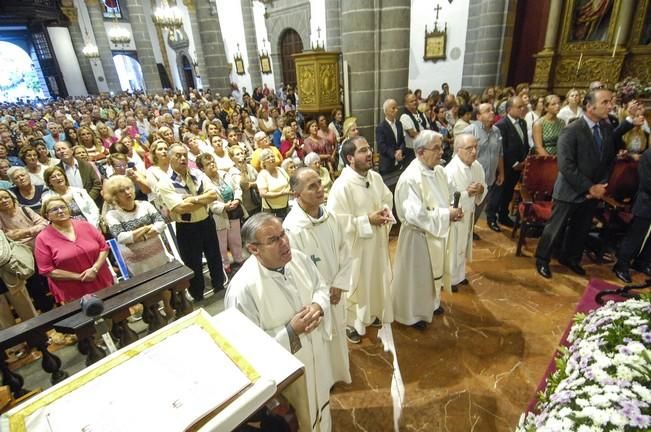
{"x": 602, "y": 380}
{"x": 631, "y": 88}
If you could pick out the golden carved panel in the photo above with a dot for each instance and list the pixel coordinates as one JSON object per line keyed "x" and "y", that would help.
{"x": 543, "y": 70}
{"x": 604, "y": 68}
{"x": 307, "y": 83}
{"x": 329, "y": 89}
{"x": 638, "y": 66}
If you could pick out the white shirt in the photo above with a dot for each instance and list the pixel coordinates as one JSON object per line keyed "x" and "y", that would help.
{"x": 394, "y": 128}
{"x": 73, "y": 174}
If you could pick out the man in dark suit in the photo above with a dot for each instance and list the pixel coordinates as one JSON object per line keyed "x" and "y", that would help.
{"x": 79, "y": 173}
{"x": 390, "y": 139}
{"x": 586, "y": 154}
{"x": 637, "y": 232}
{"x": 515, "y": 150}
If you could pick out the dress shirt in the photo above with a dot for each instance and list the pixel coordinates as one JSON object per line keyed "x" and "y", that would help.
{"x": 73, "y": 174}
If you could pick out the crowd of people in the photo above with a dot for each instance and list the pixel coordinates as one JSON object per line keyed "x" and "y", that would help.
{"x": 239, "y": 176}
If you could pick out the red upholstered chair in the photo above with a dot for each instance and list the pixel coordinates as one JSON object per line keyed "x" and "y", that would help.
{"x": 535, "y": 209}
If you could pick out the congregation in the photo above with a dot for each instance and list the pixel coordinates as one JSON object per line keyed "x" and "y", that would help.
{"x": 294, "y": 211}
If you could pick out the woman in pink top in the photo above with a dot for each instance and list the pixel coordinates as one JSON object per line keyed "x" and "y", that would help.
{"x": 71, "y": 254}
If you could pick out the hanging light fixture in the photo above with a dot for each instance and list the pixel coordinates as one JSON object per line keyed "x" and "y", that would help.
{"x": 167, "y": 17}
{"x": 119, "y": 35}
{"x": 90, "y": 51}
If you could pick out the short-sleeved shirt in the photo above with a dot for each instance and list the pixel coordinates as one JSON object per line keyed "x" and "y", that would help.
{"x": 407, "y": 123}
{"x": 174, "y": 190}
{"x": 489, "y": 148}
{"x": 273, "y": 184}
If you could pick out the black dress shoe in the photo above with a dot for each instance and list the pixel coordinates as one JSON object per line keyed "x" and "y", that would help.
{"x": 420, "y": 325}
{"x": 439, "y": 311}
{"x": 475, "y": 236}
{"x": 622, "y": 275}
{"x": 494, "y": 226}
{"x": 575, "y": 267}
{"x": 464, "y": 282}
{"x": 642, "y": 269}
{"x": 543, "y": 269}
{"x": 507, "y": 222}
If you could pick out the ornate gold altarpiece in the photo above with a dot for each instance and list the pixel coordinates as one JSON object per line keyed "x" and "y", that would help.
{"x": 575, "y": 63}
{"x": 317, "y": 80}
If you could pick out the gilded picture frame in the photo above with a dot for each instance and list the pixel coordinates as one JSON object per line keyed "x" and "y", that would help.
{"x": 435, "y": 44}
{"x": 239, "y": 66}
{"x": 265, "y": 64}
{"x": 594, "y": 33}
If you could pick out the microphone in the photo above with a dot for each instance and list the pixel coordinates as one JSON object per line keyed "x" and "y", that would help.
{"x": 457, "y": 197}
{"x": 91, "y": 305}
{"x": 367, "y": 184}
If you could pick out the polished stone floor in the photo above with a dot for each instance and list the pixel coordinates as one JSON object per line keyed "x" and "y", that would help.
{"x": 474, "y": 369}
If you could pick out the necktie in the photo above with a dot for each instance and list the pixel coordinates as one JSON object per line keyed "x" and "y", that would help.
{"x": 597, "y": 138}
{"x": 519, "y": 130}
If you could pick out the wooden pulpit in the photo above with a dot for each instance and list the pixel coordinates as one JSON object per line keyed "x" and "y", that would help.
{"x": 317, "y": 81}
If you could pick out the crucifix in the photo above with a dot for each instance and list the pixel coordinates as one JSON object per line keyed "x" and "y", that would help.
{"x": 318, "y": 32}
{"x": 437, "y": 9}
{"x": 238, "y": 47}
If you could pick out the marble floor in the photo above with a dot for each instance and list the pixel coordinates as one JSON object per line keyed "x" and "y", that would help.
{"x": 475, "y": 368}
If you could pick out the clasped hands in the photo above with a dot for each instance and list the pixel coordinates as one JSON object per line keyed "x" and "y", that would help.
{"x": 307, "y": 319}
{"x": 475, "y": 188}
{"x": 597, "y": 191}
{"x": 380, "y": 217}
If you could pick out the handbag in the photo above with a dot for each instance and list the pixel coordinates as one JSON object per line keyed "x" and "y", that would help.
{"x": 255, "y": 196}
{"x": 16, "y": 260}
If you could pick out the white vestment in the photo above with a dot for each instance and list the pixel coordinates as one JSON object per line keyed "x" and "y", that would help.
{"x": 352, "y": 198}
{"x": 460, "y": 176}
{"x": 270, "y": 299}
{"x": 420, "y": 265}
{"x": 323, "y": 240}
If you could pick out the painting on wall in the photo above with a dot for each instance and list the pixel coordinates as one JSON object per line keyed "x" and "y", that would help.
{"x": 111, "y": 9}
{"x": 591, "y": 20}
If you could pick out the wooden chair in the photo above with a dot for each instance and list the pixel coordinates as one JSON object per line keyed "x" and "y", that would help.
{"x": 538, "y": 178}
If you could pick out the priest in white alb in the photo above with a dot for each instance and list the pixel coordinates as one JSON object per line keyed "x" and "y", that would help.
{"x": 317, "y": 233}
{"x": 280, "y": 290}
{"x": 421, "y": 268}
{"x": 363, "y": 203}
{"x": 466, "y": 176}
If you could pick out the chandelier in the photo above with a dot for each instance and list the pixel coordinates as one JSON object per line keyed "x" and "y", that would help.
{"x": 167, "y": 17}
{"x": 90, "y": 51}
{"x": 119, "y": 35}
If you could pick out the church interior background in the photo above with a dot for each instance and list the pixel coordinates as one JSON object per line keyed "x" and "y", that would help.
{"x": 478, "y": 367}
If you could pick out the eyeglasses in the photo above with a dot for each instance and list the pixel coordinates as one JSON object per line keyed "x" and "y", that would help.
{"x": 434, "y": 149}
{"x": 271, "y": 241}
{"x": 57, "y": 209}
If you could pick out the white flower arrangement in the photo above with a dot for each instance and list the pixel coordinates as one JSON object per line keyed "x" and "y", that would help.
{"x": 602, "y": 380}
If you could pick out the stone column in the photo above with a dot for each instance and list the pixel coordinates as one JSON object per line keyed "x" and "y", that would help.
{"x": 483, "y": 44}
{"x": 333, "y": 25}
{"x": 545, "y": 57}
{"x": 101, "y": 38}
{"x": 216, "y": 69}
{"x": 251, "y": 45}
{"x": 624, "y": 21}
{"x": 553, "y": 24}
{"x": 78, "y": 44}
{"x": 196, "y": 37}
{"x": 140, "y": 36}
{"x": 368, "y": 29}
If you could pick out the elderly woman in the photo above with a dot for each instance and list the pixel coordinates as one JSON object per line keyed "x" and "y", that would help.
{"x": 232, "y": 136}
{"x": 136, "y": 225}
{"x": 227, "y": 211}
{"x": 120, "y": 165}
{"x": 261, "y": 143}
{"x": 245, "y": 175}
{"x": 71, "y": 254}
{"x": 134, "y": 151}
{"x": 5, "y": 183}
{"x": 167, "y": 134}
{"x": 312, "y": 161}
{"x": 159, "y": 171}
{"x": 273, "y": 185}
{"x": 314, "y": 142}
{"x": 29, "y": 156}
{"x": 81, "y": 205}
{"x": 22, "y": 224}
{"x": 291, "y": 146}
{"x": 27, "y": 194}
{"x": 44, "y": 155}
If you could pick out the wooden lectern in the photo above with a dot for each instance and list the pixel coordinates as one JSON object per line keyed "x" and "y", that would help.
{"x": 317, "y": 81}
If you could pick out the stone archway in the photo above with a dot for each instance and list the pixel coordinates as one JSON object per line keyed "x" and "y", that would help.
{"x": 290, "y": 44}
{"x": 129, "y": 70}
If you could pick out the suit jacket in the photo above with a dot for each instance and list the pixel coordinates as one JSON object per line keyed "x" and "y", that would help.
{"x": 642, "y": 206}
{"x": 387, "y": 144}
{"x": 579, "y": 163}
{"x": 89, "y": 179}
{"x": 515, "y": 149}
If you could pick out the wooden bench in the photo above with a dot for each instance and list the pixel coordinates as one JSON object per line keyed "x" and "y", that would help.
{"x": 116, "y": 308}
{"x": 34, "y": 331}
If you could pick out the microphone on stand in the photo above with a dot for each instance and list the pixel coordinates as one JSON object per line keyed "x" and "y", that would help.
{"x": 457, "y": 197}
{"x": 93, "y": 307}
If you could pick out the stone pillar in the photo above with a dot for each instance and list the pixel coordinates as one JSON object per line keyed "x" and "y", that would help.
{"x": 544, "y": 58}
{"x": 101, "y": 38}
{"x": 624, "y": 21}
{"x": 483, "y": 44}
{"x": 367, "y": 30}
{"x": 145, "y": 50}
{"x": 78, "y": 43}
{"x": 216, "y": 69}
{"x": 333, "y": 25}
{"x": 251, "y": 45}
{"x": 196, "y": 37}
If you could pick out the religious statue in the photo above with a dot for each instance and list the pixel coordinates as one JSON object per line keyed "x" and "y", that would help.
{"x": 111, "y": 9}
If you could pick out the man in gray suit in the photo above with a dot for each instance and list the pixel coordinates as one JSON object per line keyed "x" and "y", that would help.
{"x": 586, "y": 154}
